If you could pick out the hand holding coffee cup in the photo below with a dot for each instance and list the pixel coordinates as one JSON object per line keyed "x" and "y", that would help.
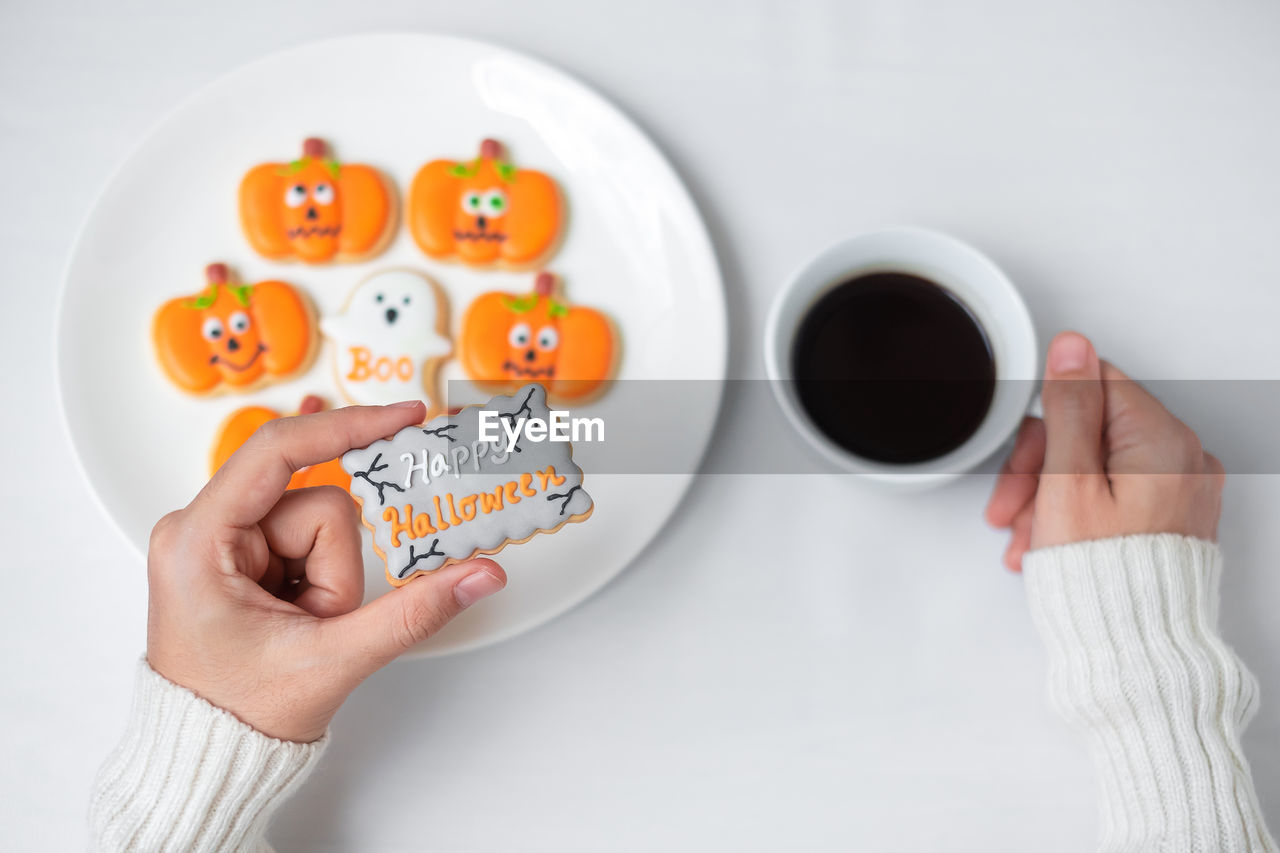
{"x": 1107, "y": 460}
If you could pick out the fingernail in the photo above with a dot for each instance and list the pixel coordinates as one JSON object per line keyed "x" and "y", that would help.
{"x": 406, "y": 404}
{"x": 476, "y": 586}
{"x": 1068, "y": 354}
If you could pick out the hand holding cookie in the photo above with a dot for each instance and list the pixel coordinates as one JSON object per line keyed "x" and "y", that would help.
{"x": 255, "y": 593}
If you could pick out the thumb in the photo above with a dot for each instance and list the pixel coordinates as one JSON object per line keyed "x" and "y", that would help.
{"x": 1074, "y": 407}
{"x": 376, "y": 634}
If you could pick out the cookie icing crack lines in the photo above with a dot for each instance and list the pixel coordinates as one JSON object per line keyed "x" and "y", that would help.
{"x": 414, "y": 558}
{"x": 380, "y": 485}
{"x": 442, "y": 432}
{"x": 519, "y": 415}
{"x": 564, "y": 497}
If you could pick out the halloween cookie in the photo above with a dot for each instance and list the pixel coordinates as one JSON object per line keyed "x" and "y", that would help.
{"x": 388, "y": 343}
{"x": 485, "y": 212}
{"x": 244, "y": 422}
{"x": 508, "y": 339}
{"x": 317, "y": 210}
{"x": 447, "y": 491}
{"x": 234, "y": 337}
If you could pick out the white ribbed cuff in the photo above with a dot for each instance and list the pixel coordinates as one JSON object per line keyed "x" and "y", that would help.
{"x": 189, "y": 776}
{"x": 1136, "y": 663}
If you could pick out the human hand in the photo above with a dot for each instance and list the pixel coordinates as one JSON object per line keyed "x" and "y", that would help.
{"x": 255, "y": 593}
{"x": 1107, "y": 460}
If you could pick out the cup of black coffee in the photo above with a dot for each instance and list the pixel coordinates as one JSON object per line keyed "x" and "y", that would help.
{"x": 904, "y": 355}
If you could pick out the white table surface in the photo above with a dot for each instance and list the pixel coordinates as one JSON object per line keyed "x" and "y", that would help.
{"x": 866, "y": 679}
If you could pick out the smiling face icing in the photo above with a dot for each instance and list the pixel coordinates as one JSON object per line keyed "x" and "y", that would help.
{"x": 390, "y": 340}
{"x": 233, "y": 336}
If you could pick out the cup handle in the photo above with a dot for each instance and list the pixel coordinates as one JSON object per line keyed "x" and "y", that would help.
{"x": 1035, "y": 408}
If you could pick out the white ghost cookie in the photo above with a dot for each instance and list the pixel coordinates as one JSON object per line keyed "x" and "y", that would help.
{"x": 388, "y": 343}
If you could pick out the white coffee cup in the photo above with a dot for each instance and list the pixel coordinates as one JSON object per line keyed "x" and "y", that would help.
{"x": 972, "y": 278}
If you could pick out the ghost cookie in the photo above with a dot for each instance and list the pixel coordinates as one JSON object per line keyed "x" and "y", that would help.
{"x": 466, "y": 484}
{"x": 234, "y": 337}
{"x": 244, "y": 422}
{"x": 388, "y": 343}
{"x": 485, "y": 212}
{"x": 508, "y": 339}
{"x": 317, "y": 210}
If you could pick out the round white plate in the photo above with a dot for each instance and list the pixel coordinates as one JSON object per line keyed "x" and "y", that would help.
{"x": 635, "y": 247}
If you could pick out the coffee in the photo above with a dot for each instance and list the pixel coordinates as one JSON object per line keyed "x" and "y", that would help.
{"x": 893, "y": 368}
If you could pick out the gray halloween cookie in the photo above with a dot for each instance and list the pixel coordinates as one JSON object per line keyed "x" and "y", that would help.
{"x": 465, "y": 484}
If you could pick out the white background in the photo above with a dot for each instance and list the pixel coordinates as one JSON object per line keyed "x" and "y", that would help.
{"x": 797, "y": 662}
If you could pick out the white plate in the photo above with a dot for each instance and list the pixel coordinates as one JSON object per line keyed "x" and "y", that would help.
{"x": 635, "y": 247}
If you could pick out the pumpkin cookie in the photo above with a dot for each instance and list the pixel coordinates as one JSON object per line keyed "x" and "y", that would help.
{"x": 508, "y": 339}
{"x": 485, "y": 212}
{"x": 390, "y": 339}
{"x": 444, "y": 492}
{"x": 317, "y": 210}
{"x": 234, "y": 337}
{"x": 244, "y": 422}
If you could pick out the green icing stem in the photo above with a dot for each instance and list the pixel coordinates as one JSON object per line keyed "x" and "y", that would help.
{"x": 521, "y": 305}
{"x": 204, "y": 300}
{"x": 295, "y": 166}
{"x": 242, "y": 293}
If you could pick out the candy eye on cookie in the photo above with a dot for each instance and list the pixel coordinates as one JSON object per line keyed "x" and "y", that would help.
{"x": 493, "y": 203}
{"x": 212, "y": 329}
{"x": 472, "y": 203}
{"x": 519, "y": 335}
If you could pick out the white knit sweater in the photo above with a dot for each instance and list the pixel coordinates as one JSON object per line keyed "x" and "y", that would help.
{"x": 191, "y": 777}
{"x": 1135, "y": 662}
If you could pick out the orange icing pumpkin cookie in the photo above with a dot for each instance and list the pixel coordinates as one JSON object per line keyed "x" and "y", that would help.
{"x": 509, "y": 339}
{"x": 389, "y": 341}
{"x": 317, "y": 210}
{"x": 244, "y": 422}
{"x": 485, "y": 212}
{"x": 234, "y": 337}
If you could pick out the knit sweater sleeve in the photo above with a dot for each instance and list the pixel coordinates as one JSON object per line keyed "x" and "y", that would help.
{"x": 189, "y": 776}
{"x": 1136, "y": 663}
